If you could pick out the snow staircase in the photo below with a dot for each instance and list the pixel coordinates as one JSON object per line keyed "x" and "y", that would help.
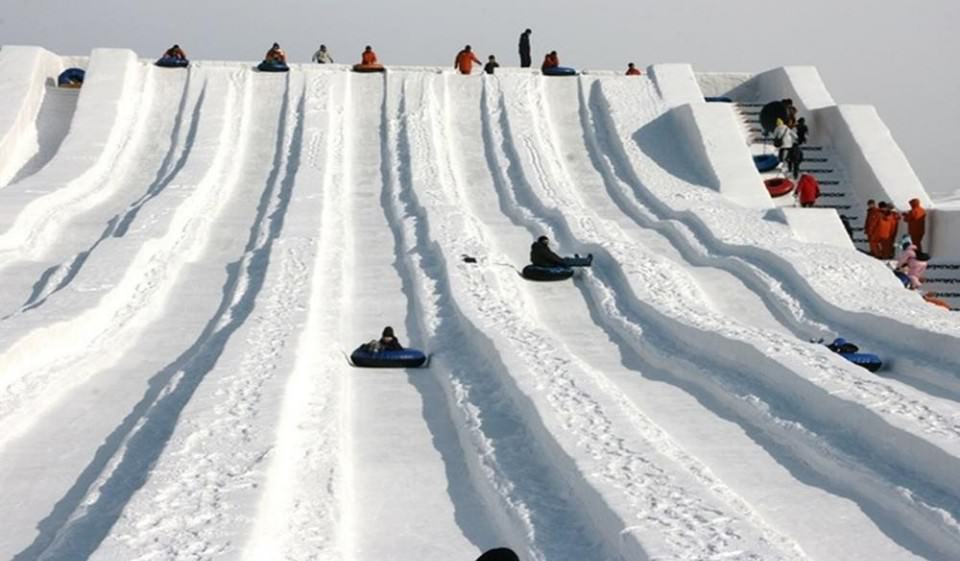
{"x": 943, "y": 278}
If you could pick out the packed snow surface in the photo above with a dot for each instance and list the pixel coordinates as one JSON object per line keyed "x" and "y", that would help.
{"x": 189, "y": 255}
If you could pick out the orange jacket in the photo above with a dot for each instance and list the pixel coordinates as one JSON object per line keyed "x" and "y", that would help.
{"x": 885, "y": 227}
{"x": 368, "y": 57}
{"x": 871, "y": 221}
{"x": 464, "y": 61}
{"x": 633, "y": 71}
{"x": 550, "y": 61}
{"x": 915, "y": 219}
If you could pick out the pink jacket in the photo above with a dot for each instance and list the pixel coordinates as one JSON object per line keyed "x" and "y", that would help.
{"x": 908, "y": 259}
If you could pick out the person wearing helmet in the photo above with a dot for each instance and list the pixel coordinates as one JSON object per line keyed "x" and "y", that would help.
{"x": 465, "y": 59}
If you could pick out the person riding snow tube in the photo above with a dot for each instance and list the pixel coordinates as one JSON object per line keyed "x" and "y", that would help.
{"x": 387, "y": 352}
{"x": 368, "y": 61}
{"x": 174, "y": 57}
{"x": 852, "y": 353}
{"x": 71, "y": 78}
{"x": 274, "y": 61}
{"x": 545, "y": 265}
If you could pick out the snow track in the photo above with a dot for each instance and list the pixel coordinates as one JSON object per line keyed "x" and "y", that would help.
{"x": 187, "y": 255}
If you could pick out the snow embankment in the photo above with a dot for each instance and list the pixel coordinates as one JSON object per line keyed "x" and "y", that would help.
{"x": 26, "y": 72}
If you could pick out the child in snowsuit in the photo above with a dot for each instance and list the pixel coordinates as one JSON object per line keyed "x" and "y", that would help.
{"x": 913, "y": 267}
{"x": 491, "y": 65}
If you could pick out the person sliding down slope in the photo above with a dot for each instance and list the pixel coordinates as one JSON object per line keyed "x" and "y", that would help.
{"x": 542, "y": 256}
{"x": 387, "y": 342}
{"x": 465, "y": 59}
{"x": 275, "y": 54}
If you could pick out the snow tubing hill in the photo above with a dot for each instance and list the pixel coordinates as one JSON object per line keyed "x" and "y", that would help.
{"x": 560, "y": 71}
{"x": 537, "y": 273}
{"x": 766, "y": 162}
{"x": 717, "y": 99}
{"x": 778, "y": 186}
{"x": 71, "y": 78}
{"x": 272, "y": 66}
{"x": 407, "y": 358}
{"x": 368, "y": 68}
{"x": 172, "y": 62}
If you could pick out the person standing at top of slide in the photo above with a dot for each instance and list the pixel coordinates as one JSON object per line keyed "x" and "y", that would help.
{"x": 525, "y": 60}
{"x": 465, "y": 59}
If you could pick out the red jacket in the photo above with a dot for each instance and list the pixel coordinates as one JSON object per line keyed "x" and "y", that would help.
{"x": 633, "y": 71}
{"x": 916, "y": 220}
{"x": 808, "y": 189}
{"x": 465, "y": 60}
{"x": 368, "y": 57}
{"x": 550, "y": 61}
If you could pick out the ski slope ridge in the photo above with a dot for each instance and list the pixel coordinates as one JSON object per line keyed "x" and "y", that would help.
{"x": 188, "y": 255}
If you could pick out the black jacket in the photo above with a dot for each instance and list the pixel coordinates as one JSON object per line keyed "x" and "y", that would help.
{"x": 525, "y": 43}
{"x": 542, "y": 256}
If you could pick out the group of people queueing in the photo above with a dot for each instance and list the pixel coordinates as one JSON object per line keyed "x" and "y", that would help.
{"x": 881, "y": 225}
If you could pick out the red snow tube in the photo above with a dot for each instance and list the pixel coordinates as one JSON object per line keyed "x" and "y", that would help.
{"x": 778, "y": 186}
{"x": 368, "y": 68}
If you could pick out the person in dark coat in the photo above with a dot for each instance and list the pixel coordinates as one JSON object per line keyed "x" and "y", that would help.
{"x": 802, "y": 130}
{"x": 525, "y": 60}
{"x": 542, "y": 256}
{"x": 388, "y": 341}
{"x": 794, "y": 159}
{"x": 491, "y": 64}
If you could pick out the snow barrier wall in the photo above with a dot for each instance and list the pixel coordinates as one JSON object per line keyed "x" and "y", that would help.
{"x": 877, "y": 167}
{"x": 712, "y": 134}
{"x": 25, "y": 71}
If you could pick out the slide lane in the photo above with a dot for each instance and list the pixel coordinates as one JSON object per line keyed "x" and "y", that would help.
{"x": 299, "y": 514}
{"x": 208, "y": 478}
{"x": 50, "y": 127}
{"x": 665, "y": 500}
{"x": 912, "y": 514}
{"x": 91, "y": 402}
{"x": 37, "y": 270}
{"x": 117, "y": 88}
{"x": 402, "y": 458}
{"x": 84, "y": 328}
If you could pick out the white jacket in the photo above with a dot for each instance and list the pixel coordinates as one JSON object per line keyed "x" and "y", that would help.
{"x": 788, "y": 135}
{"x": 323, "y": 57}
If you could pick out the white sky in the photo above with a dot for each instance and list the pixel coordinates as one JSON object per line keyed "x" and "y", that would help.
{"x": 899, "y": 55}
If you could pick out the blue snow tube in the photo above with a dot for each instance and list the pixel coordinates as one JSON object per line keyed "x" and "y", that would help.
{"x": 717, "y": 99}
{"x": 71, "y": 77}
{"x": 766, "y": 162}
{"x": 560, "y": 71}
{"x": 273, "y": 66}
{"x": 172, "y": 62}
{"x": 407, "y": 358}
{"x": 867, "y": 360}
{"x": 538, "y": 273}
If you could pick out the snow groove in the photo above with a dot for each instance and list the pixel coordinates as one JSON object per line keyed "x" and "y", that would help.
{"x": 143, "y": 442}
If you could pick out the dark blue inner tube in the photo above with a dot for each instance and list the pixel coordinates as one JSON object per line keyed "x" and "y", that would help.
{"x": 560, "y": 71}
{"x": 71, "y": 76}
{"x": 172, "y": 62}
{"x": 537, "y": 273}
{"x": 766, "y": 162}
{"x": 407, "y": 358}
{"x": 717, "y": 99}
{"x": 869, "y": 361}
{"x": 272, "y": 66}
